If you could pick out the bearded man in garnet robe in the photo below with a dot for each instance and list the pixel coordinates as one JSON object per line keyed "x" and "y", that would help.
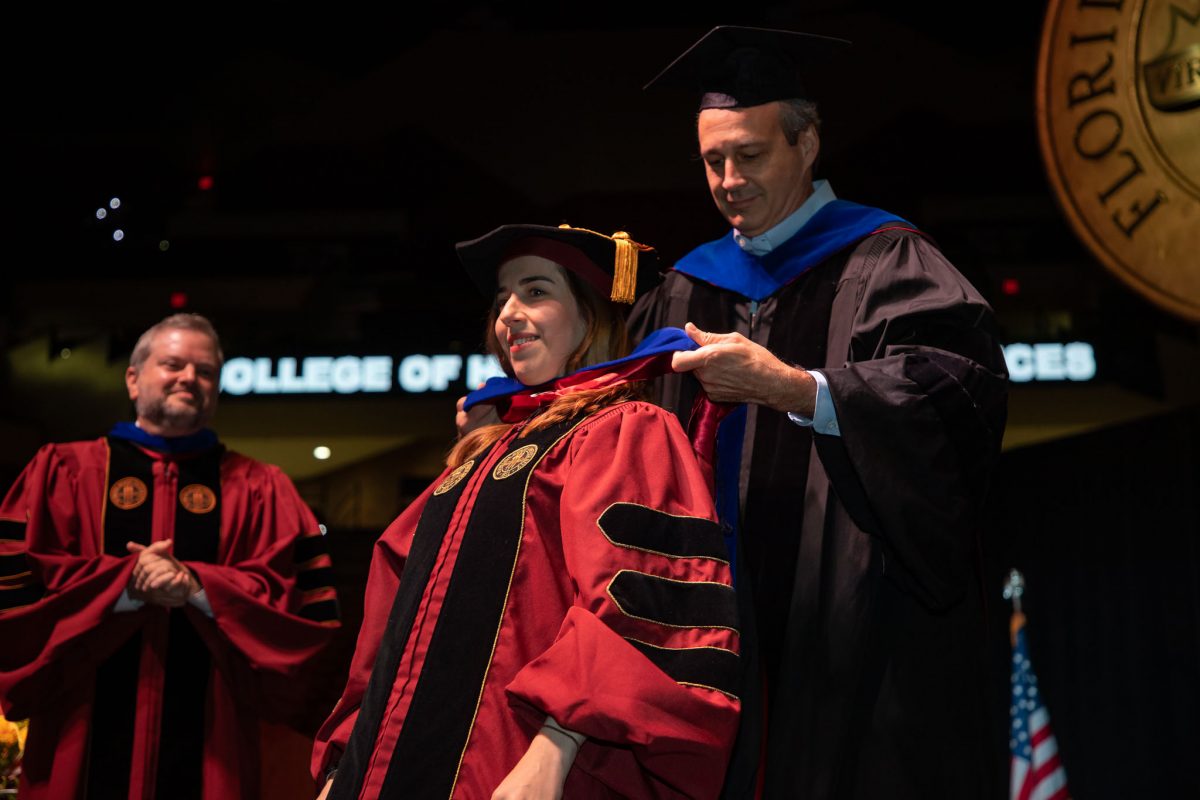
{"x": 158, "y": 589}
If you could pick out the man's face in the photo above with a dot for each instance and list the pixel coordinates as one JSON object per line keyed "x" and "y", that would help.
{"x": 755, "y": 176}
{"x": 175, "y": 389}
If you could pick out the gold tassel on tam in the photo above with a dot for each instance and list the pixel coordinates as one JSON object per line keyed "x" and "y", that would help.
{"x": 624, "y": 288}
{"x": 625, "y": 263}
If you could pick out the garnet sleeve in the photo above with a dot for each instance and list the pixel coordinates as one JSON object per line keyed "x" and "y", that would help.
{"x": 645, "y": 661}
{"x": 271, "y": 592}
{"x": 57, "y": 624}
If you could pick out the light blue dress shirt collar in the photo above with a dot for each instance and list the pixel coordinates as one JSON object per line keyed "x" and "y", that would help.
{"x": 766, "y": 242}
{"x": 824, "y": 419}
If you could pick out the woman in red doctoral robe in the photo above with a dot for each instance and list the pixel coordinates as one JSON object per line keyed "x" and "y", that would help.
{"x": 554, "y": 615}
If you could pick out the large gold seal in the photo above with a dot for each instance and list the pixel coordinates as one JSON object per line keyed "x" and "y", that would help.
{"x": 514, "y": 462}
{"x": 197, "y": 498}
{"x": 1119, "y": 122}
{"x": 128, "y": 493}
{"x": 452, "y": 480}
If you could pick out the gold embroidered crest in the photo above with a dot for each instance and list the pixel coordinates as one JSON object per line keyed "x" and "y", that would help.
{"x": 128, "y": 493}
{"x": 514, "y": 462}
{"x": 454, "y": 478}
{"x": 197, "y": 498}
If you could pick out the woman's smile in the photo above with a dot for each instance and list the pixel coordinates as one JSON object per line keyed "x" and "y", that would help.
{"x": 539, "y": 319}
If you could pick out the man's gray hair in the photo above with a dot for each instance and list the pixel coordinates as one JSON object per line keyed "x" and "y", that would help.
{"x": 796, "y": 115}
{"x": 186, "y": 322}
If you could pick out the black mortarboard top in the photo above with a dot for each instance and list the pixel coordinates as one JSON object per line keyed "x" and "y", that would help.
{"x": 615, "y": 266}
{"x": 741, "y": 67}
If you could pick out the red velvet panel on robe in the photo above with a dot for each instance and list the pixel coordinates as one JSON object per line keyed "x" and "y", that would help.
{"x": 273, "y": 609}
{"x": 618, "y": 620}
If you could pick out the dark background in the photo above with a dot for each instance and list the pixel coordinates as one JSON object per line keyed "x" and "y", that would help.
{"x": 351, "y": 149}
{"x": 348, "y": 150}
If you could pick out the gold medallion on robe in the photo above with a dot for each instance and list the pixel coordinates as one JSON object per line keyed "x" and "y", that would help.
{"x": 128, "y": 493}
{"x": 454, "y": 478}
{"x": 1118, "y": 102}
{"x": 514, "y": 462}
{"x": 197, "y": 498}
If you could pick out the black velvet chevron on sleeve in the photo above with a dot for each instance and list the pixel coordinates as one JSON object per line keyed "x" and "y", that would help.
{"x": 676, "y": 604}
{"x": 710, "y": 667}
{"x": 12, "y": 530}
{"x": 641, "y": 528}
{"x": 17, "y": 586}
{"x": 314, "y": 571}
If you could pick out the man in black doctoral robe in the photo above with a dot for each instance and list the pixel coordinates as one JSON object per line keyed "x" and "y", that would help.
{"x": 851, "y": 480}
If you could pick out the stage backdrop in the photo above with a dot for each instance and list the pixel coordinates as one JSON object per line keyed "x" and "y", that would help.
{"x": 1106, "y": 528}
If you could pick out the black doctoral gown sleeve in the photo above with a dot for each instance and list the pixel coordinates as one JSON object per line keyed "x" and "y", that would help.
{"x": 921, "y": 406}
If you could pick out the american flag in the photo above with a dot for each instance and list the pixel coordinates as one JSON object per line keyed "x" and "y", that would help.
{"x": 1037, "y": 771}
